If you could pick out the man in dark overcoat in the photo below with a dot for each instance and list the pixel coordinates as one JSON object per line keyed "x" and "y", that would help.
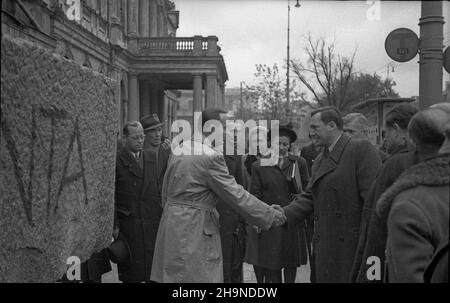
{"x": 341, "y": 177}
{"x": 137, "y": 203}
{"x": 373, "y": 230}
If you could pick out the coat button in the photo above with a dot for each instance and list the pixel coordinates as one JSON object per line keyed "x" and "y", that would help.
{"x": 338, "y": 214}
{"x": 341, "y": 238}
{"x": 316, "y": 218}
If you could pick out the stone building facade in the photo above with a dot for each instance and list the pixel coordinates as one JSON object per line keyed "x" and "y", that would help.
{"x": 131, "y": 41}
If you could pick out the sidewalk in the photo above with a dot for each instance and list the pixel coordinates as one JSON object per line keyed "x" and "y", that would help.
{"x": 249, "y": 275}
{"x": 302, "y": 274}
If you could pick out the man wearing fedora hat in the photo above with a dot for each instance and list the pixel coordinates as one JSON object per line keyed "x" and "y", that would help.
{"x": 154, "y": 138}
{"x": 157, "y": 144}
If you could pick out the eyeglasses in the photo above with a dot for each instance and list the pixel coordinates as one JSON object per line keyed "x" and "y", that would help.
{"x": 137, "y": 138}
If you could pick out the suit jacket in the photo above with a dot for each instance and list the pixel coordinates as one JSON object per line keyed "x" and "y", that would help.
{"x": 188, "y": 245}
{"x": 138, "y": 210}
{"x": 335, "y": 194}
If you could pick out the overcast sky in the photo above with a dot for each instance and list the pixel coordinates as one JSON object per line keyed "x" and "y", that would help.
{"x": 255, "y": 31}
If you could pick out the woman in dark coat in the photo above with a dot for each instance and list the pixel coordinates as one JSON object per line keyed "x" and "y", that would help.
{"x": 279, "y": 247}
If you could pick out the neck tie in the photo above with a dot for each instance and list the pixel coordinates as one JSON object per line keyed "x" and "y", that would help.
{"x": 139, "y": 160}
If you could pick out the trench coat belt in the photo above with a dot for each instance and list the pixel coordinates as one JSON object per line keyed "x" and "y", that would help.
{"x": 194, "y": 204}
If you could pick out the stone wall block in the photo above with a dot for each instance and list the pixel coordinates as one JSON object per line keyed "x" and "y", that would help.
{"x": 57, "y": 162}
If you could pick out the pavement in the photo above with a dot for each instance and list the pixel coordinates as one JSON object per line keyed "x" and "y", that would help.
{"x": 249, "y": 275}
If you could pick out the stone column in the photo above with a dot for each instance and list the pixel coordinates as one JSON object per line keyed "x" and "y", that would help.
{"x": 154, "y": 99}
{"x": 124, "y": 5}
{"x": 198, "y": 41}
{"x": 197, "y": 104}
{"x": 116, "y": 31}
{"x": 212, "y": 46}
{"x": 115, "y": 11}
{"x": 162, "y": 97}
{"x": 220, "y": 94}
{"x": 133, "y": 18}
{"x": 104, "y": 9}
{"x": 211, "y": 91}
{"x": 153, "y": 18}
{"x": 160, "y": 21}
{"x": 163, "y": 111}
{"x": 144, "y": 18}
{"x": 133, "y": 93}
{"x": 144, "y": 90}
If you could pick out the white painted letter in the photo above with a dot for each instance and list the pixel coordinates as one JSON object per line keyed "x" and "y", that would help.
{"x": 74, "y": 271}
{"x": 374, "y": 11}
{"x": 374, "y": 271}
{"x": 183, "y": 136}
{"x": 74, "y": 10}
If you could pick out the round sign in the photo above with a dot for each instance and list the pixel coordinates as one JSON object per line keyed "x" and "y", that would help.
{"x": 447, "y": 59}
{"x": 402, "y": 44}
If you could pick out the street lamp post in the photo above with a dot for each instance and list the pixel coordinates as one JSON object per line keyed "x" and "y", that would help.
{"x": 288, "y": 58}
{"x": 242, "y": 104}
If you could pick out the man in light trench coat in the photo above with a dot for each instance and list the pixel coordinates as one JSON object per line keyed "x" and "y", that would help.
{"x": 188, "y": 245}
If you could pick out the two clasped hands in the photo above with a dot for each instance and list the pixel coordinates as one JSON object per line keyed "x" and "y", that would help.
{"x": 279, "y": 218}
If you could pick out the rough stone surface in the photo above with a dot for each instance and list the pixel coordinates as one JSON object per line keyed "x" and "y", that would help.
{"x": 57, "y": 162}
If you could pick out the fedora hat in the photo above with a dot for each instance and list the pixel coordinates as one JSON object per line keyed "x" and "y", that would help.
{"x": 151, "y": 122}
{"x": 286, "y": 130}
{"x": 119, "y": 251}
{"x": 289, "y": 132}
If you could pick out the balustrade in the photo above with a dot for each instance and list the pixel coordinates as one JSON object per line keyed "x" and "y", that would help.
{"x": 177, "y": 45}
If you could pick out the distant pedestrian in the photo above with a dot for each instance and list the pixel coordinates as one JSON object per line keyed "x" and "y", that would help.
{"x": 356, "y": 126}
{"x": 310, "y": 153}
{"x": 395, "y": 128}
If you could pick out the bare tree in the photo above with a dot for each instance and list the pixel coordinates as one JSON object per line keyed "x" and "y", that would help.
{"x": 266, "y": 99}
{"x": 325, "y": 74}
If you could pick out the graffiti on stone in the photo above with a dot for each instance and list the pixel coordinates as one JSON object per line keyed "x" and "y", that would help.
{"x": 25, "y": 185}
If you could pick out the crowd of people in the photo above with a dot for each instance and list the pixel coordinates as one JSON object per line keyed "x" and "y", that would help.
{"x": 349, "y": 210}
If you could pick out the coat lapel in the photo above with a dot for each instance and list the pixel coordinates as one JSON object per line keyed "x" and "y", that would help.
{"x": 325, "y": 166}
{"x": 149, "y": 166}
{"x": 128, "y": 161}
{"x": 287, "y": 163}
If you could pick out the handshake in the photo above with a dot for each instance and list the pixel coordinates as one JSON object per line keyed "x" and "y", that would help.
{"x": 279, "y": 217}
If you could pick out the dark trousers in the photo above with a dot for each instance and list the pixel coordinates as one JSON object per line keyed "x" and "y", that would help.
{"x": 266, "y": 275}
{"x": 233, "y": 272}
